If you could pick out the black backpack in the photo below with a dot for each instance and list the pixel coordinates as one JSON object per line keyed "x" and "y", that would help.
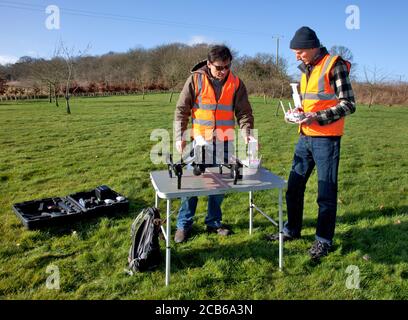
{"x": 144, "y": 254}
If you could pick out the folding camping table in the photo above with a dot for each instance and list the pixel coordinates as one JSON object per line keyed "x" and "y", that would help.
{"x": 211, "y": 183}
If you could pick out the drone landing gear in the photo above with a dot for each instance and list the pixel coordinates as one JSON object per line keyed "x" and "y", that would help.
{"x": 199, "y": 168}
{"x": 235, "y": 170}
{"x": 177, "y": 168}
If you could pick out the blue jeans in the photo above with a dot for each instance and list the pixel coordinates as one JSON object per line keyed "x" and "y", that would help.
{"x": 324, "y": 153}
{"x": 189, "y": 204}
{"x": 188, "y": 209}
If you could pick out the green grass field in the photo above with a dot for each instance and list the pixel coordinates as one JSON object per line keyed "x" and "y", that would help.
{"x": 45, "y": 152}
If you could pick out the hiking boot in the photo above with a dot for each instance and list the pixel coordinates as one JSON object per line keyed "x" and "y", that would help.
{"x": 222, "y": 230}
{"x": 181, "y": 235}
{"x": 319, "y": 250}
{"x": 275, "y": 237}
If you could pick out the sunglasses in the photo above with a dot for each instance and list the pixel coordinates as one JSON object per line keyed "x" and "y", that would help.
{"x": 220, "y": 68}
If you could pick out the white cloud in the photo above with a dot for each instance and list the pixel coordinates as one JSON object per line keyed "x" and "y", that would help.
{"x": 7, "y": 59}
{"x": 199, "y": 39}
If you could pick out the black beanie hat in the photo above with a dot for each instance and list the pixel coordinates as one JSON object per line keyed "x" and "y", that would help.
{"x": 304, "y": 38}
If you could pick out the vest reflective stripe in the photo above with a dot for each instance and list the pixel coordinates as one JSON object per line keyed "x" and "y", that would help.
{"x": 207, "y": 123}
{"x": 218, "y": 123}
{"x": 212, "y": 118}
{"x": 328, "y": 62}
{"x": 225, "y": 108}
{"x": 225, "y": 123}
{"x": 317, "y": 94}
{"x": 213, "y": 107}
{"x": 199, "y": 85}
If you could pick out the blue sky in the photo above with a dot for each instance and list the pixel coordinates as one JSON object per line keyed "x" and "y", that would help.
{"x": 246, "y": 26}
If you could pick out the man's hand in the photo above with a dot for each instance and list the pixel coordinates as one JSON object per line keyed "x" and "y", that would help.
{"x": 310, "y": 117}
{"x": 180, "y": 145}
{"x": 292, "y": 116}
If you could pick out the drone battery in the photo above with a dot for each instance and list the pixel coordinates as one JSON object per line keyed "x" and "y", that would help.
{"x": 103, "y": 192}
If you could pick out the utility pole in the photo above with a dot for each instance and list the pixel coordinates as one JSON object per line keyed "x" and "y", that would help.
{"x": 277, "y": 37}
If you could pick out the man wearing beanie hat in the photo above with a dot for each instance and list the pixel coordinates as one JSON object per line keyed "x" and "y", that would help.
{"x": 305, "y": 38}
{"x": 327, "y": 97}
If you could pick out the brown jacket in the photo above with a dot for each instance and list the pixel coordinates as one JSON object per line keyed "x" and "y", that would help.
{"x": 242, "y": 107}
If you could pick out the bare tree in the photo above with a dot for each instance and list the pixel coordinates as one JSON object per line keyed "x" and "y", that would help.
{"x": 262, "y": 75}
{"x": 68, "y": 72}
{"x": 169, "y": 66}
{"x": 3, "y": 85}
{"x": 346, "y": 54}
{"x": 145, "y": 79}
{"x": 373, "y": 78}
{"x": 172, "y": 75}
{"x": 48, "y": 72}
{"x": 140, "y": 69}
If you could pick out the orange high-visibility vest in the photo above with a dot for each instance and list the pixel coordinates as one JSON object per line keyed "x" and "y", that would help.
{"x": 212, "y": 118}
{"x": 317, "y": 95}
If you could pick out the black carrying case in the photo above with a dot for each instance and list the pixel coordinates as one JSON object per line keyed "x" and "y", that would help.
{"x": 55, "y": 211}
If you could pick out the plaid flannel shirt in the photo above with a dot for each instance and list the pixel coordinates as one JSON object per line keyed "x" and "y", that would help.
{"x": 341, "y": 84}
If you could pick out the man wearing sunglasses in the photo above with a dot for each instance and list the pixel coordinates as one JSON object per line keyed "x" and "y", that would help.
{"x": 213, "y": 97}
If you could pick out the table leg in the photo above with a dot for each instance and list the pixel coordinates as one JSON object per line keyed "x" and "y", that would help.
{"x": 280, "y": 231}
{"x": 251, "y": 211}
{"x": 156, "y": 201}
{"x": 168, "y": 233}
